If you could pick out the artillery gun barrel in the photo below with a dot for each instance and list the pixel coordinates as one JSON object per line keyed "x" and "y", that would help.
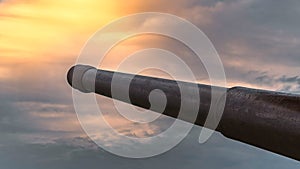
{"x": 265, "y": 119}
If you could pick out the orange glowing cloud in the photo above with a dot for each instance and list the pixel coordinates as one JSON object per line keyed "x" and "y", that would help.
{"x": 37, "y": 28}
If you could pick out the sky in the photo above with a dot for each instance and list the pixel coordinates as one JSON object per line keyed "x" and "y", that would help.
{"x": 258, "y": 43}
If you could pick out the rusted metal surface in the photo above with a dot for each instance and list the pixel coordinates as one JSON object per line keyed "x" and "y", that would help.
{"x": 265, "y": 119}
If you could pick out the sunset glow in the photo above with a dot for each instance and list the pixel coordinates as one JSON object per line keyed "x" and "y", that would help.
{"x": 39, "y": 28}
{"x": 257, "y": 43}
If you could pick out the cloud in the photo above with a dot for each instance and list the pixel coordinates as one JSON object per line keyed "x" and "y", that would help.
{"x": 28, "y": 141}
{"x": 81, "y": 152}
{"x": 295, "y": 79}
{"x": 249, "y": 35}
{"x": 258, "y": 42}
{"x": 36, "y": 122}
{"x": 289, "y": 84}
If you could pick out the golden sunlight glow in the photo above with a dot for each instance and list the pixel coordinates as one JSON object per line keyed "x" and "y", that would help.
{"x": 37, "y": 28}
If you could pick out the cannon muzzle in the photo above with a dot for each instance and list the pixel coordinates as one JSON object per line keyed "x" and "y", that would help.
{"x": 265, "y": 119}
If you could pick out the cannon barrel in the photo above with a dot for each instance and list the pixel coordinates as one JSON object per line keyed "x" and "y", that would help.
{"x": 265, "y": 119}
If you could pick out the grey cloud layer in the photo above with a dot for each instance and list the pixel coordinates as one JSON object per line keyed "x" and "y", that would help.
{"x": 262, "y": 37}
{"x": 82, "y": 153}
{"x": 250, "y": 35}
